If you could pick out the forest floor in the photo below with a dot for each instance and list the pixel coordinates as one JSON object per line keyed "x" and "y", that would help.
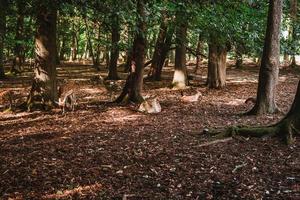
{"x": 104, "y": 151}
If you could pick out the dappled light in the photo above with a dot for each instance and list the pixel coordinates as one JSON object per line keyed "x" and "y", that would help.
{"x": 149, "y": 99}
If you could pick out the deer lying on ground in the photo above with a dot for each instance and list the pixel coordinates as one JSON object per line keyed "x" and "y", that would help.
{"x": 150, "y": 106}
{"x": 66, "y": 101}
{"x": 191, "y": 98}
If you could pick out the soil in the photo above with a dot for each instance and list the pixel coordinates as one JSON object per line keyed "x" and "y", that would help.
{"x": 108, "y": 151}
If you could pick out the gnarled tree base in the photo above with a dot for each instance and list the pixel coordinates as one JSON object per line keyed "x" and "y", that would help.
{"x": 285, "y": 130}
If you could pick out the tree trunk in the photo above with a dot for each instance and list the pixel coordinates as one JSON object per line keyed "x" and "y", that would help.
{"x": 44, "y": 89}
{"x": 74, "y": 47}
{"x": 268, "y": 74}
{"x": 2, "y": 35}
{"x": 156, "y": 58}
{"x": 62, "y": 51}
{"x": 114, "y": 52}
{"x": 180, "y": 74}
{"x": 134, "y": 83}
{"x": 198, "y": 53}
{"x": 293, "y": 31}
{"x": 216, "y": 77}
{"x": 18, "y": 48}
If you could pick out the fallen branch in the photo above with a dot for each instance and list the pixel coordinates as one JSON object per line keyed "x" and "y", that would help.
{"x": 215, "y": 142}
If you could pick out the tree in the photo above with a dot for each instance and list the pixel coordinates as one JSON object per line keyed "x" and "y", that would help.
{"x": 217, "y": 57}
{"x": 134, "y": 82}
{"x": 284, "y": 129}
{"x": 292, "y": 32}
{"x": 3, "y": 4}
{"x": 115, "y": 38}
{"x": 269, "y": 68}
{"x": 180, "y": 74}
{"x": 44, "y": 88}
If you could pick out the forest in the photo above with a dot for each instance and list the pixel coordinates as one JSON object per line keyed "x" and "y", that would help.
{"x": 149, "y": 99}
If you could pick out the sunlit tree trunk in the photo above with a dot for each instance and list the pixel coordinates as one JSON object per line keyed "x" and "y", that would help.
{"x": 216, "y": 77}
{"x": 134, "y": 83}
{"x": 44, "y": 88}
{"x": 74, "y": 47}
{"x": 180, "y": 74}
{"x": 114, "y": 52}
{"x": 3, "y": 4}
{"x": 268, "y": 74}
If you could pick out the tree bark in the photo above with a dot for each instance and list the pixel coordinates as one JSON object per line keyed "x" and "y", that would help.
{"x": 198, "y": 53}
{"x": 134, "y": 83}
{"x": 44, "y": 88}
{"x": 156, "y": 58}
{"x": 3, "y": 4}
{"x": 293, "y": 13}
{"x": 74, "y": 46}
{"x": 114, "y": 52}
{"x": 180, "y": 74}
{"x": 268, "y": 74}
{"x": 216, "y": 77}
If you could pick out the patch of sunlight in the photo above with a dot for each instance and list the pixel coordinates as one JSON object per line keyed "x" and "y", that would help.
{"x": 235, "y": 102}
{"x": 127, "y": 118}
{"x": 245, "y": 80}
{"x": 81, "y": 190}
{"x": 91, "y": 90}
{"x": 283, "y": 78}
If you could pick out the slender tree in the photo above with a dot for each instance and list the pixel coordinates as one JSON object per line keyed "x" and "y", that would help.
{"x": 269, "y": 68}
{"x": 293, "y": 31}
{"x": 44, "y": 88}
{"x": 3, "y": 4}
{"x": 134, "y": 83}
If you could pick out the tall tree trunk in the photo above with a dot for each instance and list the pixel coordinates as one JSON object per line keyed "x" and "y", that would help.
{"x": 216, "y": 77}
{"x": 62, "y": 51}
{"x": 96, "y": 62}
{"x": 114, "y": 52}
{"x": 18, "y": 48}
{"x": 3, "y": 4}
{"x": 74, "y": 47}
{"x": 164, "y": 53}
{"x": 156, "y": 58}
{"x": 180, "y": 74}
{"x": 134, "y": 83}
{"x": 293, "y": 12}
{"x": 198, "y": 53}
{"x": 44, "y": 88}
{"x": 268, "y": 74}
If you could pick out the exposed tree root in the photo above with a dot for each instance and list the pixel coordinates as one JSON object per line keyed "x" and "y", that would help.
{"x": 285, "y": 130}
